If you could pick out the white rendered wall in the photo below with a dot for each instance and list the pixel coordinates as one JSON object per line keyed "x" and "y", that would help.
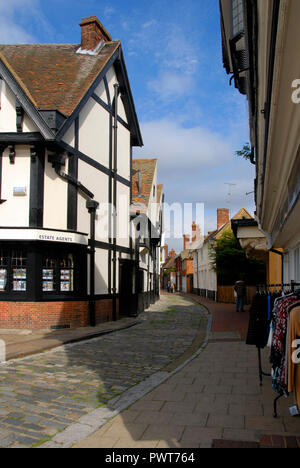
{"x": 101, "y": 271}
{"x": 94, "y": 132}
{"x": 97, "y": 182}
{"x": 123, "y": 152}
{"x": 123, "y": 215}
{"x": 8, "y": 109}
{"x": 15, "y": 211}
{"x": 55, "y": 198}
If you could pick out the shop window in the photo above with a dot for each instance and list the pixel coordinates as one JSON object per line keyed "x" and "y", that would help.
{"x": 58, "y": 273}
{"x": 19, "y": 270}
{"x": 4, "y": 264}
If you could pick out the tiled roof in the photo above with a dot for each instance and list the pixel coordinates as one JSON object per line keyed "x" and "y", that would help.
{"x": 53, "y": 76}
{"x": 147, "y": 168}
{"x": 170, "y": 263}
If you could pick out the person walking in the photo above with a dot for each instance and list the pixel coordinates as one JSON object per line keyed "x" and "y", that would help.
{"x": 173, "y": 288}
{"x": 169, "y": 286}
{"x": 240, "y": 293}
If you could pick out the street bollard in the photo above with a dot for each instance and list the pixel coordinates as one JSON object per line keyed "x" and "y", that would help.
{"x": 2, "y": 352}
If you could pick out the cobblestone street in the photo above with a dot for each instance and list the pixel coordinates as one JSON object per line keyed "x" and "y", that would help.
{"x": 42, "y": 395}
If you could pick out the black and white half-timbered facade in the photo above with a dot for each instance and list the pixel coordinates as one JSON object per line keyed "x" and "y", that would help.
{"x": 67, "y": 128}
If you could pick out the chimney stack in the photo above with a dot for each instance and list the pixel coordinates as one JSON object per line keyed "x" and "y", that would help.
{"x": 222, "y": 216}
{"x": 92, "y": 33}
{"x": 166, "y": 251}
{"x": 172, "y": 253}
{"x": 186, "y": 241}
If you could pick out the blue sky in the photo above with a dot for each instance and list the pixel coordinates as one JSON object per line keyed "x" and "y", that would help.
{"x": 192, "y": 121}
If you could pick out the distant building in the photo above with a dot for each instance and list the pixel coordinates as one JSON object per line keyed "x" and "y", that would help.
{"x": 147, "y": 227}
{"x": 205, "y": 277}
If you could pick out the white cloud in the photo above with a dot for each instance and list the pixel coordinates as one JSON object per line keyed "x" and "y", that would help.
{"x": 14, "y": 14}
{"x": 180, "y": 148}
{"x": 170, "y": 85}
{"x": 194, "y": 164}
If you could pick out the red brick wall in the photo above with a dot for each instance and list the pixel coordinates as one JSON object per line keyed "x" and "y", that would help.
{"x": 43, "y": 315}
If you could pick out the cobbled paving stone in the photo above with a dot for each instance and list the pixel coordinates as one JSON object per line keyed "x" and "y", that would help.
{"x": 42, "y": 395}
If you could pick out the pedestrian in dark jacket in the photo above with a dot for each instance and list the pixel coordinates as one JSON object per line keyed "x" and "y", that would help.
{"x": 240, "y": 292}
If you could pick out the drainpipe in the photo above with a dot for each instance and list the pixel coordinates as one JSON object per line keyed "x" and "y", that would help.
{"x": 92, "y": 206}
{"x": 115, "y": 170}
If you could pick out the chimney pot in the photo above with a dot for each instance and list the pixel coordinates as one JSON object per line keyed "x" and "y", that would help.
{"x": 92, "y": 33}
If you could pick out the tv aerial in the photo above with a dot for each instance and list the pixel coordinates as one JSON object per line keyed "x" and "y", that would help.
{"x": 230, "y": 187}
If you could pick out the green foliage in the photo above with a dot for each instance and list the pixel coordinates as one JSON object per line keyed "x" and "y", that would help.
{"x": 245, "y": 152}
{"x": 168, "y": 271}
{"x": 231, "y": 264}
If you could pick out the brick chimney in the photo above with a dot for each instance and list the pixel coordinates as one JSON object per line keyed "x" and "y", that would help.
{"x": 186, "y": 241}
{"x": 166, "y": 251}
{"x": 92, "y": 33}
{"x": 172, "y": 253}
{"x": 222, "y": 216}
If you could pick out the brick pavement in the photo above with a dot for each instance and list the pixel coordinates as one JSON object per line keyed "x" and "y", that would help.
{"x": 213, "y": 401}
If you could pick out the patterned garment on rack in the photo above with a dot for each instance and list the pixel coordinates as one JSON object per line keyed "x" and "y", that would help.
{"x": 278, "y": 349}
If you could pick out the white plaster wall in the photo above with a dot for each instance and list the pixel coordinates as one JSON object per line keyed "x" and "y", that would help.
{"x": 100, "y": 91}
{"x": 121, "y": 110}
{"x": 123, "y": 215}
{"x": 29, "y": 125}
{"x": 8, "y": 109}
{"x": 55, "y": 198}
{"x": 97, "y": 183}
{"x": 15, "y": 211}
{"x": 94, "y": 132}
{"x": 123, "y": 152}
{"x": 101, "y": 271}
{"x": 69, "y": 136}
{"x": 111, "y": 80}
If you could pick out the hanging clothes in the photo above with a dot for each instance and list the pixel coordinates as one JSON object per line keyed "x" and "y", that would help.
{"x": 293, "y": 365}
{"x": 259, "y": 323}
{"x": 279, "y": 354}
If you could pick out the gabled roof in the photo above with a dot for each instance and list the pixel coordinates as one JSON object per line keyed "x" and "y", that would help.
{"x": 147, "y": 169}
{"x": 54, "y": 76}
{"x": 186, "y": 254}
{"x": 242, "y": 214}
{"x": 170, "y": 263}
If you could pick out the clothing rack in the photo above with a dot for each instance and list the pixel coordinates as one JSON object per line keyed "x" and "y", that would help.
{"x": 267, "y": 288}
